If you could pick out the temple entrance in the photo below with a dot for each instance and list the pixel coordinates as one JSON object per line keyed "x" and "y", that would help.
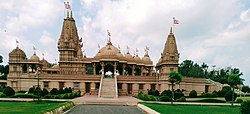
{"x": 87, "y": 87}
{"x": 130, "y": 88}
{"x": 109, "y": 71}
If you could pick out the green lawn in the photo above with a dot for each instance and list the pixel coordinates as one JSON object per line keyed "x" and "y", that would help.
{"x": 27, "y": 107}
{"x": 192, "y": 109}
{"x": 217, "y": 98}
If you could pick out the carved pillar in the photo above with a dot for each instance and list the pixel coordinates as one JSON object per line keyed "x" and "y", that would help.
{"x": 94, "y": 69}
{"x": 102, "y": 64}
{"x": 133, "y": 70}
{"x": 150, "y": 71}
{"x": 141, "y": 70}
{"x": 115, "y": 65}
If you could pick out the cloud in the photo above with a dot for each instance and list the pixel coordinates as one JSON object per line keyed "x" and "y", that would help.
{"x": 46, "y": 39}
{"x": 245, "y": 15}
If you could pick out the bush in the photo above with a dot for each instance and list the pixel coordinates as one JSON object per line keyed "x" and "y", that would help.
{"x": 245, "y": 107}
{"x": 31, "y": 90}
{"x": 182, "y": 99}
{"x": 228, "y": 96}
{"x": 166, "y": 93}
{"x": 61, "y": 91}
{"x": 193, "y": 94}
{"x": 44, "y": 92}
{"x": 151, "y": 98}
{"x": 153, "y": 92}
{"x": 54, "y": 91}
{"x": 208, "y": 95}
{"x": 8, "y": 91}
{"x": 21, "y": 92}
{"x": 214, "y": 94}
{"x": 2, "y": 95}
{"x": 239, "y": 100}
{"x": 165, "y": 98}
{"x": 223, "y": 91}
{"x": 24, "y": 96}
{"x": 178, "y": 95}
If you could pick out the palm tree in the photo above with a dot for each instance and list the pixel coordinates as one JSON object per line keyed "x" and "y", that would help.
{"x": 233, "y": 81}
{"x": 174, "y": 77}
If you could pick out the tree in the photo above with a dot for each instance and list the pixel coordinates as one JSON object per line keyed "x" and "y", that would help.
{"x": 245, "y": 89}
{"x": 233, "y": 81}
{"x": 174, "y": 78}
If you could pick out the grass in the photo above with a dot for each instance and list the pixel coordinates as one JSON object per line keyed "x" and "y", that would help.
{"x": 8, "y": 107}
{"x": 217, "y": 98}
{"x": 192, "y": 109}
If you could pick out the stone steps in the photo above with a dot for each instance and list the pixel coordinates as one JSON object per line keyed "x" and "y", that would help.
{"x": 108, "y": 88}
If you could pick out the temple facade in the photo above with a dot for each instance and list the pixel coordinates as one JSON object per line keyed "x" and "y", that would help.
{"x": 108, "y": 74}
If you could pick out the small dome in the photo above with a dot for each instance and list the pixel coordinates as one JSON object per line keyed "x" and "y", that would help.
{"x": 129, "y": 57}
{"x": 137, "y": 59}
{"x": 146, "y": 60}
{"x": 45, "y": 63}
{"x": 34, "y": 58}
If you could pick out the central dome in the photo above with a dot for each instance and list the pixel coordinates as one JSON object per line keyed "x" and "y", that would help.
{"x": 108, "y": 52}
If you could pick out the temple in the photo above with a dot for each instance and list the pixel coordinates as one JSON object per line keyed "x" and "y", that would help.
{"x": 109, "y": 74}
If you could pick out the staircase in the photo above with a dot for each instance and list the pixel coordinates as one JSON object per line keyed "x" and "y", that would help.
{"x": 108, "y": 88}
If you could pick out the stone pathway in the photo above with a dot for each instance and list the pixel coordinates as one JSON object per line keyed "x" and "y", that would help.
{"x": 104, "y": 109}
{"x": 93, "y": 99}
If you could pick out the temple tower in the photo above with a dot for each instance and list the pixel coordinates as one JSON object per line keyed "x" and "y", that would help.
{"x": 69, "y": 47}
{"x": 168, "y": 61}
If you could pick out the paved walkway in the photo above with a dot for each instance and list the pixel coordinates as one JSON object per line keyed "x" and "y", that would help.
{"x": 93, "y": 99}
{"x": 104, "y": 109}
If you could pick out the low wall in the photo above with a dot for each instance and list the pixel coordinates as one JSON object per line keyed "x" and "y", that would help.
{"x": 61, "y": 109}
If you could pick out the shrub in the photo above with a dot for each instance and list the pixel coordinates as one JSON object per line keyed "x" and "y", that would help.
{"x": 24, "y": 96}
{"x": 214, "y": 94}
{"x": 8, "y": 91}
{"x": 31, "y": 90}
{"x": 208, "y": 95}
{"x": 223, "y": 91}
{"x": 21, "y": 92}
{"x": 166, "y": 93}
{"x": 228, "y": 96}
{"x": 141, "y": 96}
{"x": 239, "y": 100}
{"x": 54, "y": 91}
{"x": 44, "y": 92}
{"x": 78, "y": 94}
{"x": 2, "y": 95}
{"x": 182, "y": 99}
{"x": 193, "y": 94}
{"x": 153, "y": 92}
{"x": 165, "y": 98}
{"x": 151, "y": 98}
{"x": 37, "y": 90}
{"x": 61, "y": 91}
{"x": 178, "y": 95}
{"x": 245, "y": 107}
{"x": 146, "y": 97}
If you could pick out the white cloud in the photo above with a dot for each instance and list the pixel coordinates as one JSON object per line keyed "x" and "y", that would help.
{"x": 245, "y": 15}
{"x": 46, "y": 39}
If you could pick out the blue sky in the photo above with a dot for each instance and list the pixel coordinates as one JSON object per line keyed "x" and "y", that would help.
{"x": 214, "y": 32}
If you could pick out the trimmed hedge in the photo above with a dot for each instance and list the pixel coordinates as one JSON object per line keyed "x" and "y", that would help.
{"x": 24, "y": 96}
{"x": 228, "y": 96}
{"x": 166, "y": 93}
{"x": 8, "y": 91}
{"x": 193, "y": 94}
{"x": 165, "y": 98}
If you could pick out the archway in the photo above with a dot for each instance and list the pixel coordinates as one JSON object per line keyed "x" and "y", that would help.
{"x": 128, "y": 70}
{"x": 109, "y": 71}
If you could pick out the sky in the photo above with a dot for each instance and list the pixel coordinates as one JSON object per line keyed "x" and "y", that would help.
{"x": 216, "y": 32}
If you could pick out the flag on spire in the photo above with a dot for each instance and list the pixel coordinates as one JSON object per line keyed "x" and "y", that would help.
{"x": 108, "y": 33}
{"x": 99, "y": 46}
{"x": 34, "y": 48}
{"x": 175, "y": 21}
{"x": 147, "y": 48}
{"x": 80, "y": 39}
{"x": 67, "y": 5}
{"x": 17, "y": 41}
